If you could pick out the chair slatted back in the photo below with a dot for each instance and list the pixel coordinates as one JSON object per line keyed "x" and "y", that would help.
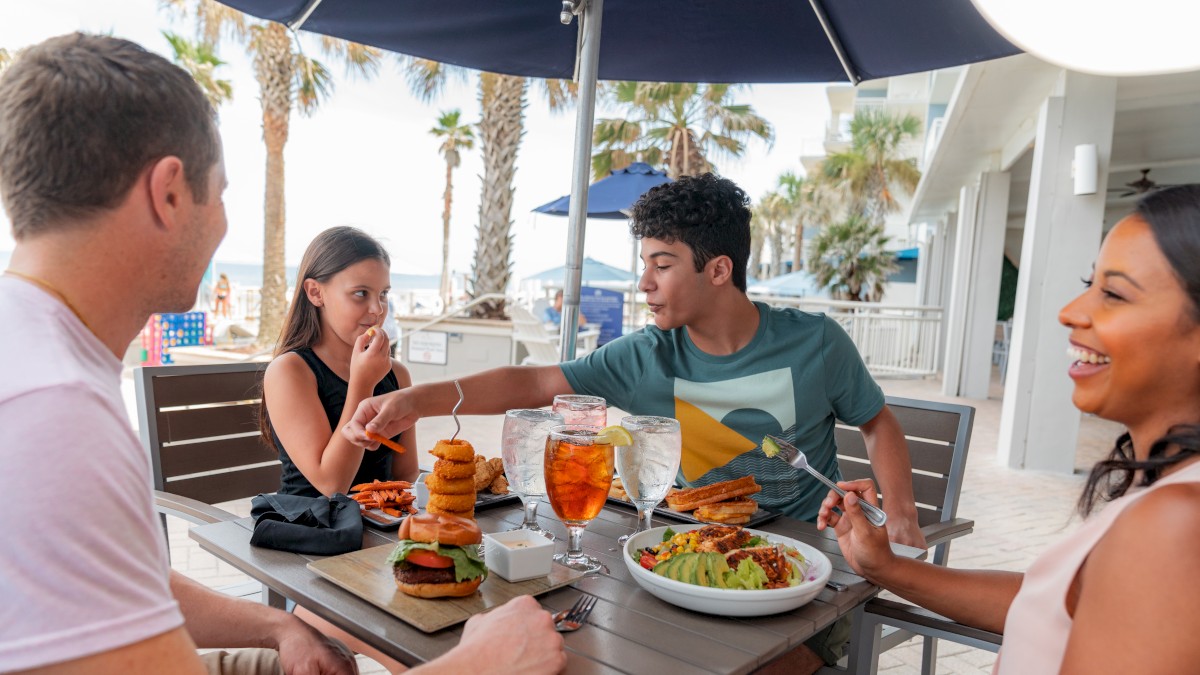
{"x": 200, "y": 426}
{"x": 938, "y": 436}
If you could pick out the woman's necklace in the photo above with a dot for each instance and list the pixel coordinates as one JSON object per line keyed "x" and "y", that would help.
{"x": 49, "y": 288}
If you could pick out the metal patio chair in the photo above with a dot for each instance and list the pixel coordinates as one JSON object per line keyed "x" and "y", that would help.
{"x": 199, "y": 425}
{"x": 938, "y": 437}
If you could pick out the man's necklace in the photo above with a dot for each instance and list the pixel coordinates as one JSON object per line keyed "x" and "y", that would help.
{"x": 49, "y": 288}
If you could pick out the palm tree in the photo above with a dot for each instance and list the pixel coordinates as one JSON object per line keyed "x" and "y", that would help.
{"x": 772, "y": 212}
{"x": 502, "y": 99}
{"x": 287, "y": 78}
{"x": 681, "y": 125}
{"x": 849, "y": 258}
{"x": 795, "y": 192}
{"x": 455, "y": 137}
{"x": 199, "y": 59}
{"x": 871, "y": 167}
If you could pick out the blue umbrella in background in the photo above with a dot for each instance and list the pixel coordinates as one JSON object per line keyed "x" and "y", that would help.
{"x": 612, "y": 196}
{"x": 664, "y": 41}
{"x": 594, "y": 272}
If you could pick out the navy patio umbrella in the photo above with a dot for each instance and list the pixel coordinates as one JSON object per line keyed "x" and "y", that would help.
{"x": 612, "y": 196}
{"x": 659, "y": 40}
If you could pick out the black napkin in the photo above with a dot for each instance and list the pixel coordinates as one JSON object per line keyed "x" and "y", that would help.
{"x": 313, "y": 525}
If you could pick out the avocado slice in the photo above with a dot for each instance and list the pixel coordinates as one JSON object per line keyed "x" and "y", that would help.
{"x": 769, "y": 447}
{"x": 702, "y": 569}
{"x": 688, "y": 564}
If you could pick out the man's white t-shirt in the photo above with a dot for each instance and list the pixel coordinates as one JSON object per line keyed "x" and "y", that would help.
{"x": 83, "y": 561}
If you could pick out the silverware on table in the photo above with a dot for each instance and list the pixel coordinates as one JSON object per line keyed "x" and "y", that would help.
{"x": 573, "y": 619}
{"x": 792, "y": 455}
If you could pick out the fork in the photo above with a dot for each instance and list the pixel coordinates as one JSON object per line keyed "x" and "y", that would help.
{"x": 573, "y": 619}
{"x": 792, "y": 455}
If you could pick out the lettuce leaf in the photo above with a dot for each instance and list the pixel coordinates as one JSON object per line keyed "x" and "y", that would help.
{"x": 468, "y": 563}
{"x": 749, "y": 575}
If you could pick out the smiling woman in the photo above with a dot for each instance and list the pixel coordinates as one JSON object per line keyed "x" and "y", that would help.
{"x": 1135, "y": 345}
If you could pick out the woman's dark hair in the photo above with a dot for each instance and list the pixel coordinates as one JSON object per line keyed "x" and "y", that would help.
{"x": 1173, "y": 215}
{"x": 709, "y": 214}
{"x": 331, "y": 252}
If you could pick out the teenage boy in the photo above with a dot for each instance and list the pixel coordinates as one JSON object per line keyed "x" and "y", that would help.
{"x": 729, "y": 369}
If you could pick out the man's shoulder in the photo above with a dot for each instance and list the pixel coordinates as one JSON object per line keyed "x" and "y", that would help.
{"x": 37, "y": 347}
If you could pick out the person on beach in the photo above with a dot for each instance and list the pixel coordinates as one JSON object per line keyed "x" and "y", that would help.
{"x": 222, "y": 291}
{"x": 103, "y": 143}
{"x": 729, "y": 369}
{"x": 332, "y": 355}
{"x": 1119, "y": 594}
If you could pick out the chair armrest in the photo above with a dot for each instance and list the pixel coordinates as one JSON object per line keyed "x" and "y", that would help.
{"x": 189, "y": 509}
{"x": 924, "y": 622}
{"x": 940, "y": 533}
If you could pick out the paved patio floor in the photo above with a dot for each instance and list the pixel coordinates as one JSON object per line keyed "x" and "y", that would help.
{"x": 1017, "y": 513}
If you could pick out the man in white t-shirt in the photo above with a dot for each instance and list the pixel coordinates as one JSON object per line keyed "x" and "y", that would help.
{"x": 111, "y": 174}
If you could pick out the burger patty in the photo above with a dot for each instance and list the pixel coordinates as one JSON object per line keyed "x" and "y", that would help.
{"x": 407, "y": 573}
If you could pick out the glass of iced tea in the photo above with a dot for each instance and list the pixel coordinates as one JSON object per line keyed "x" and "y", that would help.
{"x": 575, "y": 409}
{"x": 579, "y": 472}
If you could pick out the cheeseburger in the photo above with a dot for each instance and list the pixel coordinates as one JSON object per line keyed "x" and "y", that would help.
{"x": 438, "y": 556}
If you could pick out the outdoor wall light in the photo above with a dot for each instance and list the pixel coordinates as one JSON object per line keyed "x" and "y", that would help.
{"x": 1085, "y": 170}
{"x": 1103, "y": 37}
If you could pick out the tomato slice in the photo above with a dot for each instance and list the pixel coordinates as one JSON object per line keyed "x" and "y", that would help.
{"x": 648, "y": 560}
{"x": 429, "y": 559}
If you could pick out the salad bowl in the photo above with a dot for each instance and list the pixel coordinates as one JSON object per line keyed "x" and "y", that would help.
{"x": 724, "y": 601}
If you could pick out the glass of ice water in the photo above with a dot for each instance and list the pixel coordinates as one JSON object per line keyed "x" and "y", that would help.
{"x": 523, "y": 448}
{"x": 586, "y": 410}
{"x": 648, "y": 467}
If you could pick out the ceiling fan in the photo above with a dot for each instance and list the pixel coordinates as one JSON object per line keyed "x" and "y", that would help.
{"x": 1139, "y": 187}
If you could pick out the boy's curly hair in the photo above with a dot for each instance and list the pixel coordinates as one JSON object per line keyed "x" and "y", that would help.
{"x": 708, "y": 213}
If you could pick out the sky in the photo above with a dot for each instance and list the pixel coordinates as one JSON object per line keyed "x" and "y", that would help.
{"x": 366, "y": 157}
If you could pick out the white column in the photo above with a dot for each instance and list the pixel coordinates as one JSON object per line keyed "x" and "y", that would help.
{"x": 956, "y": 310}
{"x": 983, "y": 284}
{"x": 1039, "y": 426}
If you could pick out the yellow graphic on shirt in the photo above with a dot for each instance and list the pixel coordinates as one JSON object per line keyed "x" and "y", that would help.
{"x": 701, "y": 408}
{"x": 707, "y": 443}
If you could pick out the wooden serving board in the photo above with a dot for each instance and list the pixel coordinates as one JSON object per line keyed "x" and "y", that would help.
{"x": 367, "y": 574}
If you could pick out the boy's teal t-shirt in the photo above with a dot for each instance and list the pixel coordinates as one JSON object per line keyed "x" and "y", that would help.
{"x": 799, "y": 373}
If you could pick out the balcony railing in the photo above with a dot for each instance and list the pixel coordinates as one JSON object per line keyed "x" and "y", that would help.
{"x": 892, "y": 340}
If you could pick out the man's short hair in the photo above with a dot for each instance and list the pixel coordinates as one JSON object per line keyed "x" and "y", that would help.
{"x": 81, "y": 116}
{"x": 709, "y": 214}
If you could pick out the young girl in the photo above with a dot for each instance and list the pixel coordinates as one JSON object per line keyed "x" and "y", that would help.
{"x": 330, "y": 356}
{"x": 1118, "y": 595}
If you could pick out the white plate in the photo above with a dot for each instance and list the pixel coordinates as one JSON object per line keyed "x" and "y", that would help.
{"x": 724, "y": 601}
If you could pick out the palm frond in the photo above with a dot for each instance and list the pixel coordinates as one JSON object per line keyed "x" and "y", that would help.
{"x": 560, "y": 94}
{"x": 313, "y": 83}
{"x": 426, "y": 78}
{"x": 359, "y": 59}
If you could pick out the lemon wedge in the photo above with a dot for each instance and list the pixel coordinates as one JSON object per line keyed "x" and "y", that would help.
{"x": 769, "y": 447}
{"x": 615, "y": 435}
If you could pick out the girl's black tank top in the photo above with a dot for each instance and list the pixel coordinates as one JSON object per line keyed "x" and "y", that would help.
{"x": 331, "y": 390}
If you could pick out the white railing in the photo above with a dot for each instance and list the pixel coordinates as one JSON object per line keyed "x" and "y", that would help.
{"x": 892, "y": 339}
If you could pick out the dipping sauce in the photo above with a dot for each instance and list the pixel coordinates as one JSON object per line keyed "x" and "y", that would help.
{"x": 516, "y": 544}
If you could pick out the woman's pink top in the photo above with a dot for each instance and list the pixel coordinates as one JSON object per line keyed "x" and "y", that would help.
{"x": 1037, "y": 626}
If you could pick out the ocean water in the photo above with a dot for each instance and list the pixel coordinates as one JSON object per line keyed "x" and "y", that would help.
{"x": 247, "y": 275}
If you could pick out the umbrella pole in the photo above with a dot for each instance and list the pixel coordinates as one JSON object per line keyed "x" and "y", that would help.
{"x": 587, "y": 62}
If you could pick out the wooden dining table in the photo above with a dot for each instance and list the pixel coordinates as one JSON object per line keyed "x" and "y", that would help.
{"x": 629, "y": 631}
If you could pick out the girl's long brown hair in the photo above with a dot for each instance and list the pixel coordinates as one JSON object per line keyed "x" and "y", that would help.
{"x": 331, "y": 252}
{"x": 1173, "y": 215}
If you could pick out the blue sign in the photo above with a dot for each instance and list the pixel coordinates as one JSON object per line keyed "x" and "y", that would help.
{"x": 603, "y": 307}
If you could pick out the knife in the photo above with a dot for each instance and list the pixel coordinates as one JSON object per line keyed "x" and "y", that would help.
{"x": 773, "y": 446}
